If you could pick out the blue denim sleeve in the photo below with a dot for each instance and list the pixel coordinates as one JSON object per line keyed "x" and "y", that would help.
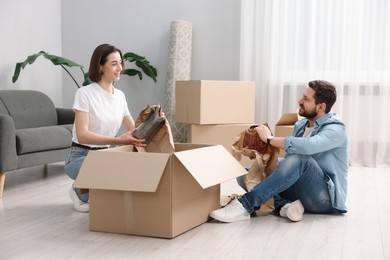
{"x": 324, "y": 138}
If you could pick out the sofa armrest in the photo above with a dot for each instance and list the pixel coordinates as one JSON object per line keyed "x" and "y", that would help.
{"x": 8, "y": 156}
{"x": 65, "y": 116}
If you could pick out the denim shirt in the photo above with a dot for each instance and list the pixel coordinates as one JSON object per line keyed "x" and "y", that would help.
{"x": 328, "y": 145}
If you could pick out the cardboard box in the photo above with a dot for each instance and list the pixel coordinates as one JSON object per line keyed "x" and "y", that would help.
{"x": 218, "y": 134}
{"x": 205, "y": 102}
{"x": 155, "y": 194}
{"x": 285, "y": 125}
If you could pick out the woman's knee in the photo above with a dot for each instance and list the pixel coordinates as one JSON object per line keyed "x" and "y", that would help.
{"x": 72, "y": 167}
{"x": 70, "y": 171}
{"x": 74, "y": 161}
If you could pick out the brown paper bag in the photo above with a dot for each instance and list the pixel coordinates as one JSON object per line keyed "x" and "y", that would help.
{"x": 162, "y": 141}
{"x": 264, "y": 156}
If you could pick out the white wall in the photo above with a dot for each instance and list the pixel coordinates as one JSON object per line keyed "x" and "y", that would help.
{"x": 143, "y": 27}
{"x": 27, "y": 27}
{"x": 73, "y": 28}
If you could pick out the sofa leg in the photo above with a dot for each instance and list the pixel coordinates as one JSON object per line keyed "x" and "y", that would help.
{"x": 45, "y": 170}
{"x": 2, "y": 180}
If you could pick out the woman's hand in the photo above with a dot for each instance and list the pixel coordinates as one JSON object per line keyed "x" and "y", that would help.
{"x": 162, "y": 114}
{"x": 128, "y": 138}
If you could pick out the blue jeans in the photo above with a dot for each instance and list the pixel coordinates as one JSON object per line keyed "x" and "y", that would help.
{"x": 72, "y": 167}
{"x": 297, "y": 177}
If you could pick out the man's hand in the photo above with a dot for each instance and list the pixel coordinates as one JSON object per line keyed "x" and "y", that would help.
{"x": 263, "y": 131}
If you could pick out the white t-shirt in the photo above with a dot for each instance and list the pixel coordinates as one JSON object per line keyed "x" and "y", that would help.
{"x": 308, "y": 131}
{"x": 106, "y": 111}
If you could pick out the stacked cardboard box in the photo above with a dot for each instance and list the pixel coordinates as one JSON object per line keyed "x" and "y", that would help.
{"x": 216, "y": 111}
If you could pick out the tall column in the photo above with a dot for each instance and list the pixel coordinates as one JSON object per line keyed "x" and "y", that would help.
{"x": 179, "y": 68}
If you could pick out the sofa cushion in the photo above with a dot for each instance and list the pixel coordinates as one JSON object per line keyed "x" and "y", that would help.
{"x": 42, "y": 139}
{"x": 29, "y": 108}
{"x": 69, "y": 127}
{"x": 3, "y": 109}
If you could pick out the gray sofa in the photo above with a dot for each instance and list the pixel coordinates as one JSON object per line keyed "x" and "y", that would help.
{"x": 33, "y": 131}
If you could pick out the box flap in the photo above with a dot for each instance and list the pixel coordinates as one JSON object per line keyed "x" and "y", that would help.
{"x": 288, "y": 119}
{"x": 114, "y": 169}
{"x": 210, "y": 165}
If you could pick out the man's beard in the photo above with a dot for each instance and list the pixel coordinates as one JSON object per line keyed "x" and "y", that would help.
{"x": 308, "y": 114}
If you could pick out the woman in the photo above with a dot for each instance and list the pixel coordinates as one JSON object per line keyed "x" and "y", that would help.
{"x": 100, "y": 111}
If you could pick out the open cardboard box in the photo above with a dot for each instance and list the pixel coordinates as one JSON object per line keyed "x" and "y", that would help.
{"x": 155, "y": 194}
{"x": 205, "y": 102}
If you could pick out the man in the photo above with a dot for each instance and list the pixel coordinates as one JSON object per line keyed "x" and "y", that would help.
{"x": 313, "y": 175}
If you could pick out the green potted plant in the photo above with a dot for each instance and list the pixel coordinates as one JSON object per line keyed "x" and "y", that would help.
{"x": 140, "y": 62}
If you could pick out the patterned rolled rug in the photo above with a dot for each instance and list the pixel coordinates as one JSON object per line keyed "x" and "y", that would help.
{"x": 179, "y": 68}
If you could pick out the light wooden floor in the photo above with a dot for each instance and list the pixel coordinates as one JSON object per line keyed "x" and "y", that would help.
{"x": 37, "y": 221}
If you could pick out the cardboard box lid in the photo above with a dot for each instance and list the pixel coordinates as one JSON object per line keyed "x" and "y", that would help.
{"x": 211, "y": 165}
{"x": 288, "y": 119}
{"x": 116, "y": 169}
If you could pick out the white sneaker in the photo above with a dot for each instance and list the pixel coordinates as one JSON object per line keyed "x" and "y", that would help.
{"x": 78, "y": 205}
{"x": 232, "y": 212}
{"x": 293, "y": 211}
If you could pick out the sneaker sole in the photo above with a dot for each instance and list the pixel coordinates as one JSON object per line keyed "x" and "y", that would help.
{"x": 80, "y": 210}
{"x": 230, "y": 220}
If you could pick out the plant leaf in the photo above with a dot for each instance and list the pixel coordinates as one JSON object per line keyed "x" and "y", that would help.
{"x": 56, "y": 60}
{"x": 87, "y": 80}
{"x": 20, "y": 65}
{"x": 131, "y": 57}
{"x": 141, "y": 63}
{"x": 147, "y": 69}
{"x": 132, "y": 72}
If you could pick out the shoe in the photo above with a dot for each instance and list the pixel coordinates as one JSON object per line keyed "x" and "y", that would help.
{"x": 232, "y": 212}
{"x": 78, "y": 205}
{"x": 293, "y": 211}
{"x": 283, "y": 210}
